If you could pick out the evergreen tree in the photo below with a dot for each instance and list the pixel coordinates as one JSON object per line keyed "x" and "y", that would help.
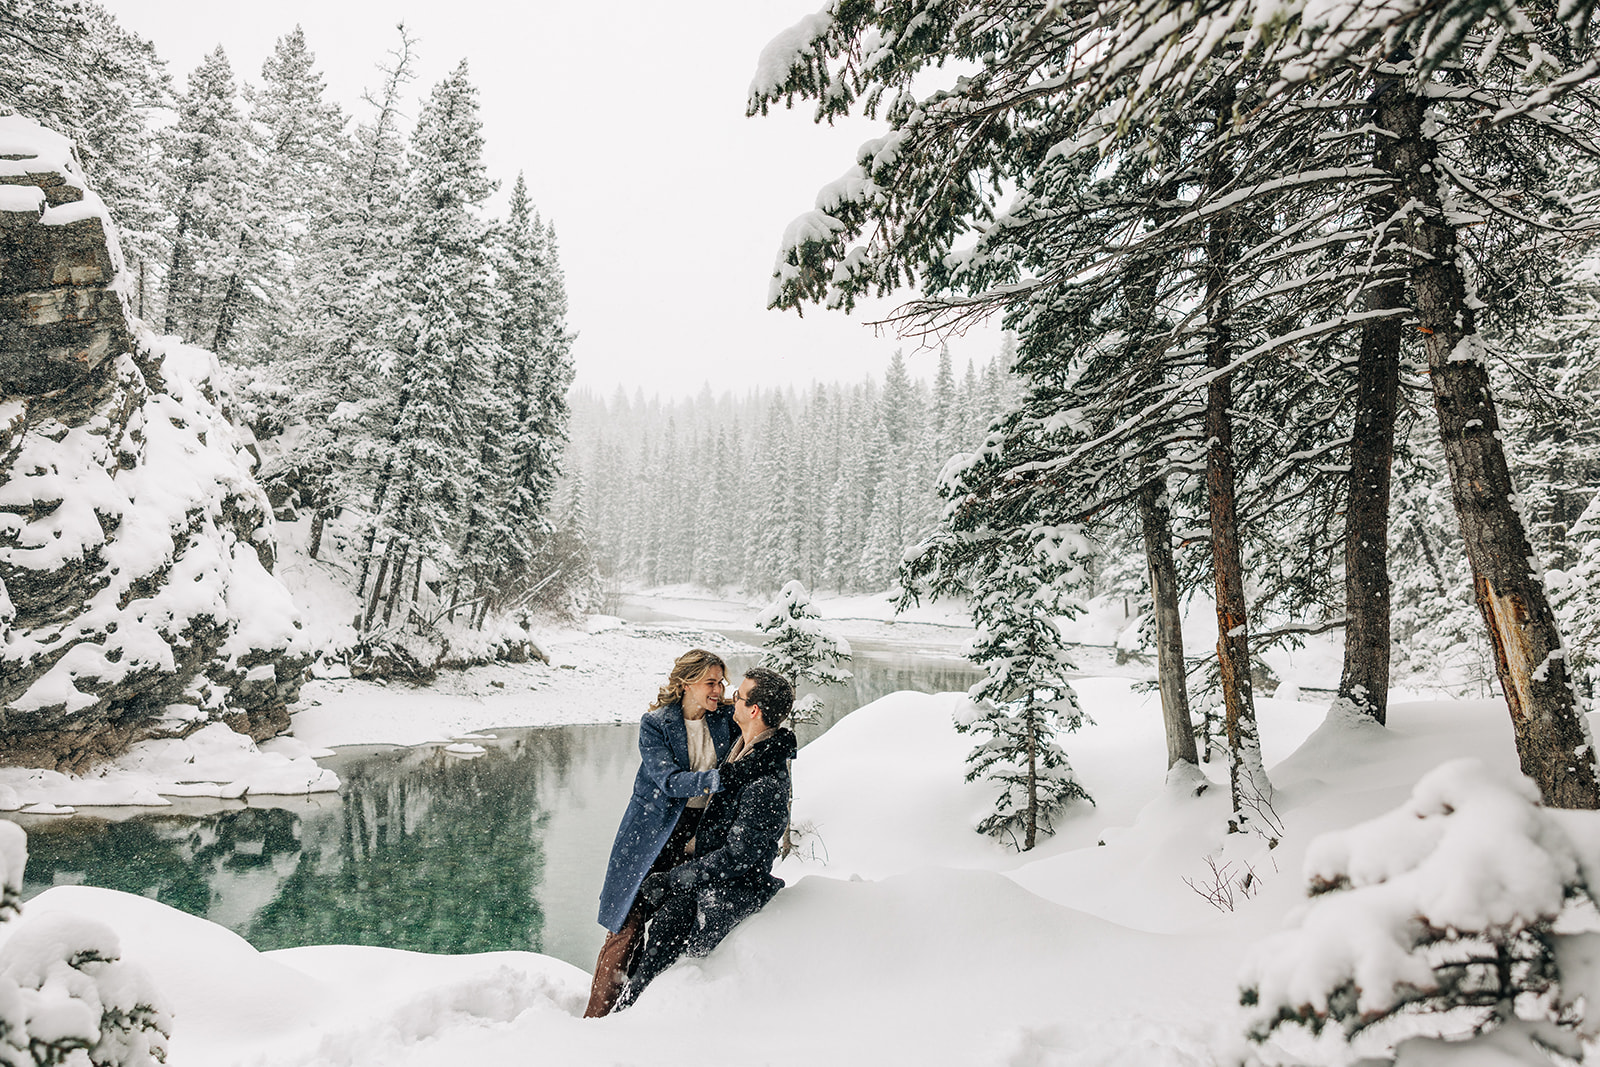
{"x": 446, "y": 351}
{"x": 1465, "y": 932}
{"x": 567, "y": 562}
{"x": 1019, "y": 576}
{"x": 800, "y": 649}
{"x": 337, "y": 371}
{"x": 207, "y": 173}
{"x": 292, "y": 197}
{"x": 1262, "y": 146}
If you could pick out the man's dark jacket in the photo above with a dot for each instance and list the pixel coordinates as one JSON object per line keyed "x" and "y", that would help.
{"x": 742, "y": 829}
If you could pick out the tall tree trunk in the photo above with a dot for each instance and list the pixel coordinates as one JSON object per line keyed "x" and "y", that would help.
{"x": 1364, "y": 682}
{"x": 380, "y": 493}
{"x": 1247, "y": 775}
{"x": 319, "y": 518}
{"x": 1552, "y": 743}
{"x": 1031, "y": 834}
{"x": 1156, "y": 519}
{"x": 176, "y": 268}
{"x": 397, "y": 586}
{"x": 377, "y": 586}
{"x": 232, "y": 297}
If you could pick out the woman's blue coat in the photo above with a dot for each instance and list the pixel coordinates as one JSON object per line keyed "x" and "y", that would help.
{"x": 660, "y": 788}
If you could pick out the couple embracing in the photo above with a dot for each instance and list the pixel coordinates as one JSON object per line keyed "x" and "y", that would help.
{"x": 693, "y": 856}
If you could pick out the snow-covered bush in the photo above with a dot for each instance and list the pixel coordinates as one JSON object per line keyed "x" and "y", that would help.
{"x": 800, "y": 649}
{"x": 1457, "y": 919}
{"x": 65, "y": 995}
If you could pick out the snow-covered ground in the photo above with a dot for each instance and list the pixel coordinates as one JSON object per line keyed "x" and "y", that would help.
{"x": 903, "y": 937}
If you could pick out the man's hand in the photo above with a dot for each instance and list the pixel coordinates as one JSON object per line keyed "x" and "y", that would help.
{"x": 653, "y": 890}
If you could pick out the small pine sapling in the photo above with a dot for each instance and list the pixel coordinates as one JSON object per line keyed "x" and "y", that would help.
{"x": 1025, "y": 698}
{"x": 800, "y": 649}
{"x": 1462, "y": 922}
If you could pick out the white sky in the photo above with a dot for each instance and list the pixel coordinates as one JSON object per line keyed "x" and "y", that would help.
{"x": 628, "y": 120}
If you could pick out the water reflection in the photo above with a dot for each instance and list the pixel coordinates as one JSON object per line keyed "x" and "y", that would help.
{"x": 420, "y": 849}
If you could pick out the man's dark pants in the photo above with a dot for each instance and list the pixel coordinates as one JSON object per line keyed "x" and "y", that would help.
{"x": 693, "y": 922}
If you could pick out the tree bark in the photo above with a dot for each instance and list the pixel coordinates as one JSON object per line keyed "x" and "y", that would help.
{"x": 380, "y": 492}
{"x": 1364, "y": 682}
{"x": 1247, "y": 775}
{"x": 175, "y": 272}
{"x": 1156, "y": 519}
{"x": 228, "y": 313}
{"x": 319, "y": 518}
{"x": 397, "y": 586}
{"x": 377, "y": 586}
{"x": 1552, "y": 743}
{"x": 1032, "y": 833}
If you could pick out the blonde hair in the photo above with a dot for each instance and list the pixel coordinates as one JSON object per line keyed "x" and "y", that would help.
{"x": 687, "y": 669}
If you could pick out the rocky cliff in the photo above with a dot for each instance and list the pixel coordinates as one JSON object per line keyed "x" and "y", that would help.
{"x": 136, "y": 593}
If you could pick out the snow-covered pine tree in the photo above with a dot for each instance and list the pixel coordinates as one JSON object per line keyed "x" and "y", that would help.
{"x": 1018, "y": 575}
{"x": 447, "y": 349}
{"x": 1025, "y": 700}
{"x": 293, "y": 196}
{"x": 1074, "y": 215}
{"x": 774, "y": 549}
{"x": 338, "y": 370}
{"x": 70, "y": 998}
{"x": 208, "y": 158}
{"x": 896, "y": 518}
{"x": 566, "y": 564}
{"x": 523, "y": 431}
{"x": 800, "y": 648}
{"x": 1468, "y": 95}
{"x": 1266, "y": 290}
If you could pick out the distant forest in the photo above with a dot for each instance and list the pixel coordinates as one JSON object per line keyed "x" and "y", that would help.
{"x": 827, "y": 484}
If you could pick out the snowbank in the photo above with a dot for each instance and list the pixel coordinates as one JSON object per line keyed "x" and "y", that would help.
{"x": 604, "y": 677}
{"x": 214, "y": 761}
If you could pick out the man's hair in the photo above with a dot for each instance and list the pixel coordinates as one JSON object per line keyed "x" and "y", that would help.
{"x": 687, "y": 669}
{"x": 772, "y": 693}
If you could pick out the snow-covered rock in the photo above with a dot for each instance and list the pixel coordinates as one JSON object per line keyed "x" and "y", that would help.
{"x": 135, "y": 544}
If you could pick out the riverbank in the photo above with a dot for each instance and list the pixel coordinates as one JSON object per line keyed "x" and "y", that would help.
{"x": 605, "y": 672}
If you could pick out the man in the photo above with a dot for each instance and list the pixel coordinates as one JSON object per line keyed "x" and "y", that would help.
{"x": 729, "y": 875}
{"x": 681, "y": 738}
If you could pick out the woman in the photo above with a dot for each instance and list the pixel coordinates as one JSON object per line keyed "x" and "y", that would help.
{"x": 682, "y": 738}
